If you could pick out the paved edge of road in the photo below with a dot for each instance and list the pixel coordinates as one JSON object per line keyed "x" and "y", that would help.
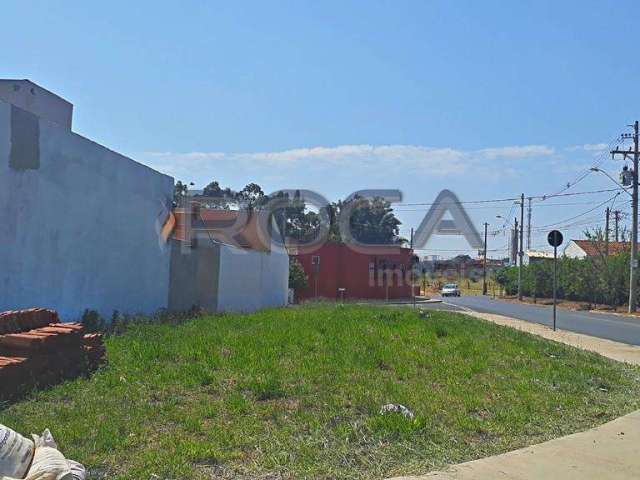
{"x": 621, "y": 352}
{"x": 609, "y": 451}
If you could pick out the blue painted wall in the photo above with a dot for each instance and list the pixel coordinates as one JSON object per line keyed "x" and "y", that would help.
{"x": 79, "y": 226}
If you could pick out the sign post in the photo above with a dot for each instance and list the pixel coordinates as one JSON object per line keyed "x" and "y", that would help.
{"x": 555, "y": 240}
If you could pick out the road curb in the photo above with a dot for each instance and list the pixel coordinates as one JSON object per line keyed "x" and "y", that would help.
{"x": 621, "y": 352}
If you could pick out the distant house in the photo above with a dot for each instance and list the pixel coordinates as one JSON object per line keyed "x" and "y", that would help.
{"x": 376, "y": 272}
{"x": 463, "y": 266}
{"x": 536, "y": 256}
{"x": 589, "y": 248}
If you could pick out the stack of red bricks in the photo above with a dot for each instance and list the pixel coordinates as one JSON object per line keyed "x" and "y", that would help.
{"x": 37, "y": 350}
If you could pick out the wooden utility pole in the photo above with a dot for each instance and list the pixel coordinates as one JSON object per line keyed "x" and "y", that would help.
{"x": 606, "y": 232}
{"x": 634, "y": 227}
{"x": 413, "y": 270}
{"x": 634, "y": 213}
{"x": 616, "y": 219}
{"x": 514, "y": 245}
{"x": 529, "y": 224}
{"x": 484, "y": 262}
{"x": 521, "y": 251}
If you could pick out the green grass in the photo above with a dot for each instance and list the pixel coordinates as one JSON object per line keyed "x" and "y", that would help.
{"x": 295, "y": 393}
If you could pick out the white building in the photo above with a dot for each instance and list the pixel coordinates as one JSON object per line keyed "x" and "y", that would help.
{"x": 534, "y": 256}
{"x": 590, "y": 248}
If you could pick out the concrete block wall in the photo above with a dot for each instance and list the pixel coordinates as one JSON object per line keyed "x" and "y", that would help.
{"x": 195, "y": 275}
{"x": 251, "y": 279}
{"x": 78, "y": 222}
{"x": 37, "y": 100}
{"x": 222, "y": 278}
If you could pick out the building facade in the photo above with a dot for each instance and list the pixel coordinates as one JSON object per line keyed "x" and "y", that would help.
{"x": 336, "y": 270}
{"x": 591, "y": 248}
{"x": 78, "y": 223}
{"x": 83, "y": 227}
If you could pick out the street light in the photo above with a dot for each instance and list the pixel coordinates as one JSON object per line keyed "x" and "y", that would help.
{"x": 596, "y": 169}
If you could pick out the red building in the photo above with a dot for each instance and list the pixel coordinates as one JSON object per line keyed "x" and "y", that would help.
{"x": 377, "y": 272}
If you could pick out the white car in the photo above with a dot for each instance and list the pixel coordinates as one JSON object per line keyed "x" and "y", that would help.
{"x": 450, "y": 290}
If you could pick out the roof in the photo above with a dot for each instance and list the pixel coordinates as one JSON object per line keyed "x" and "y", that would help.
{"x": 538, "y": 254}
{"x": 593, "y": 248}
{"x": 231, "y": 227}
{"x": 359, "y": 248}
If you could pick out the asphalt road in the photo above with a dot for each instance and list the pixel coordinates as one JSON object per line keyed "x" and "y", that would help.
{"x": 613, "y": 327}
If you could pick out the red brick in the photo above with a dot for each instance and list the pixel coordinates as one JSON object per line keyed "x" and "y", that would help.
{"x": 37, "y": 350}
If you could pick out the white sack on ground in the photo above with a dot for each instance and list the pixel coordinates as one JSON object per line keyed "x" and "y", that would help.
{"x": 48, "y": 462}
{"x": 16, "y": 453}
{"x": 77, "y": 470}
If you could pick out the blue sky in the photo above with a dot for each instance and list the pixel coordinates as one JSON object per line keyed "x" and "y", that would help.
{"x": 488, "y": 99}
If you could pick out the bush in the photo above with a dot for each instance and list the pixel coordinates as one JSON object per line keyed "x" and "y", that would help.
{"x": 297, "y": 275}
{"x": 92, "y": 321}
{"x": 120, "y": 322}
{"x": 599, "y": 279}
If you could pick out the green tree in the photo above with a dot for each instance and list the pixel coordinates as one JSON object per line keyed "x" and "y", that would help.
{"x": 374, "y": 222}
{"x": 179, "y": 193}
{"x": 214, "y": 196}
{"x": 371, "y": 221}
{"x": 294, "y": 218}
{"x": 298, "y": 279}
{"x": 599, "y": 278}
{"x": 252, "y": 196}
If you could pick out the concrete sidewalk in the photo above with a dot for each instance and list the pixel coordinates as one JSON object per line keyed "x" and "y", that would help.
{"x": 611, "y": 451}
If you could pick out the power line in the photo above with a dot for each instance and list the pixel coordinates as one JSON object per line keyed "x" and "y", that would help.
{"x": 544, "y": 197}
{"x": 457, "y": 250}
{"x": 513, "y": 199}
{"x": 538, "y": 205}
{"x": 600, "y": 159}
{"x": 585, "y": 222}
{"x": 580, "y": 214}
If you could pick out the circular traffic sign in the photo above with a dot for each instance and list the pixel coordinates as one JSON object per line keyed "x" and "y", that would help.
{"x": 554, "y": 238}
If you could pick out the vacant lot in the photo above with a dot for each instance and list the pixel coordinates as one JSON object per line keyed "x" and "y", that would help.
{"x": 296, "y": 393}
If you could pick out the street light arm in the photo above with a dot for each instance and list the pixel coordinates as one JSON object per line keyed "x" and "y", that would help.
{"x": 596, "y": 169}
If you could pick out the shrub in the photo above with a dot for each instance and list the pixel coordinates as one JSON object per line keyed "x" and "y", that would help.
{"x": 297, "y": 275}
{"x": 600, "y": 279}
